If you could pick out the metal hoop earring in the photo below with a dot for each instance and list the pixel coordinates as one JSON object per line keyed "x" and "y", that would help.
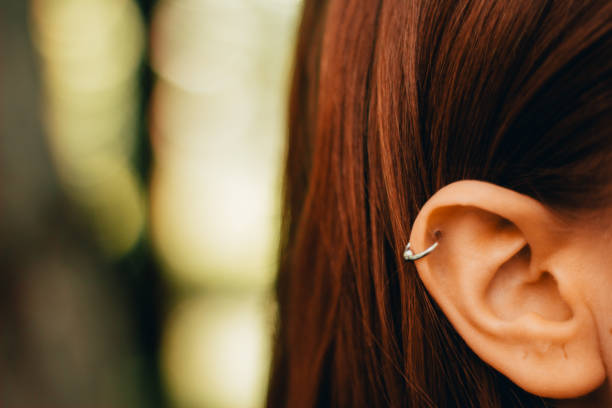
{"x": 411, "y": 256}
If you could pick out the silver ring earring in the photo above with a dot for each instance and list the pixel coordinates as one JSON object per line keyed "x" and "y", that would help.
{"x": 411, "y": 256}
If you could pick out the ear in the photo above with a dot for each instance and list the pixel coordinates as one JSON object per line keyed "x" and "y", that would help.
{"x": 497, "y": 274}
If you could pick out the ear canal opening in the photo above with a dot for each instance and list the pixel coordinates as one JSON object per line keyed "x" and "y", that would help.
{"x": 514, "y": 292}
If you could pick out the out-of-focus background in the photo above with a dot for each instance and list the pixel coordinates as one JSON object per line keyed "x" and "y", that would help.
{"x": 141, "y": 146}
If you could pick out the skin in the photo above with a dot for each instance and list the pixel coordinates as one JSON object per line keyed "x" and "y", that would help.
{"x": 593, "y": 234}
{"x": 529, "y": 290}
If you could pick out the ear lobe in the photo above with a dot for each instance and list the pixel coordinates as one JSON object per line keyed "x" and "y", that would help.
{"x": 494, "y": 274}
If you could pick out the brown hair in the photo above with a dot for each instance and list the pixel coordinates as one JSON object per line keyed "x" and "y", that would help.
{"x": 392, "y": 100}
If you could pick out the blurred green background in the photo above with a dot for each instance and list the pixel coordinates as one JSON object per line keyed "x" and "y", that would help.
{"x": 140, "y": 155}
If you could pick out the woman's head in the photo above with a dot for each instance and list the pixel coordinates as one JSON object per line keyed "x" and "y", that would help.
{"x": 392, "y": 101}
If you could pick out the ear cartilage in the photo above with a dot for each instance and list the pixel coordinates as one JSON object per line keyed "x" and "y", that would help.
{"x": 411, "y": 256}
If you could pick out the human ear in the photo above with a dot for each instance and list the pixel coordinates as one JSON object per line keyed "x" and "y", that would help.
{"x": 498, "y": 277}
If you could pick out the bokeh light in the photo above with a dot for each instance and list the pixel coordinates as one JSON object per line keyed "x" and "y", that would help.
{"x": 91, "y": 51}
{"x": 217, "y": 142}
{"x": 213, "y": 197}
{"x": 211, "y": 78}
{"x": 216, "y": 352}
{"x": 217, "y": 126}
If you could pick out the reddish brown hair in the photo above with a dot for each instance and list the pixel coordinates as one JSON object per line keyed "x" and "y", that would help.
{"x": 392, "y": 100}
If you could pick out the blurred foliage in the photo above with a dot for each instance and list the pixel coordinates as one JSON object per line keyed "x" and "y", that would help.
{"x": 140, "y": 157}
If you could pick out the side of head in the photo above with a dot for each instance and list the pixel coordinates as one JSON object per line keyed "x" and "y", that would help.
{"x": 484, "y": 125}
